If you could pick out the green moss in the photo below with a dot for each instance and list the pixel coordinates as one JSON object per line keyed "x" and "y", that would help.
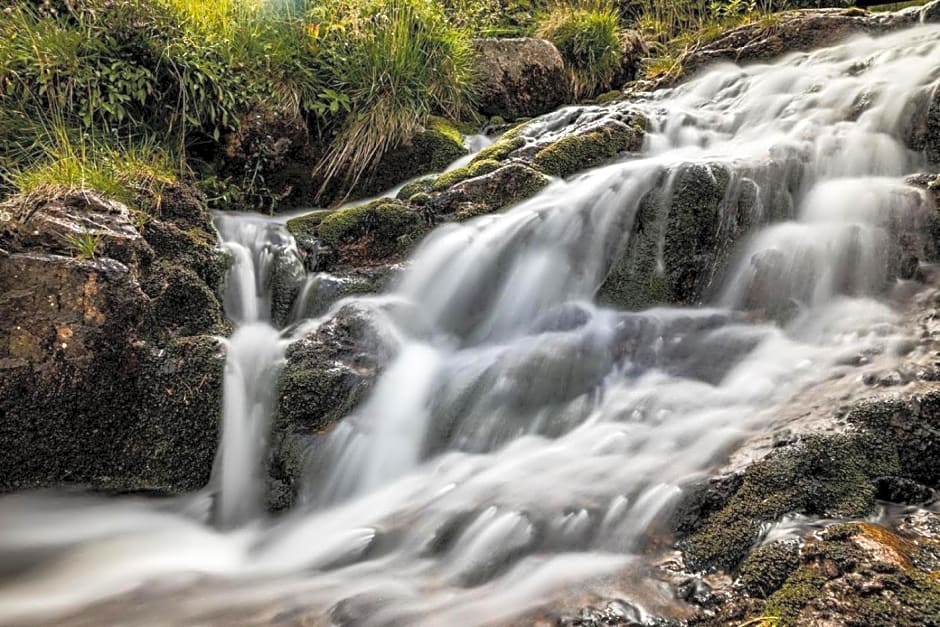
{"x": 420, "y": 199}
{"x": 576, "y": 153}
{"x": 307, "y": 224}
{"x": 417, "y": 186}
{"x": 826, "y": 476}
{"x": 446, "y": 128}
{"x": 768, "y": 566}
{"x": 798, "y": 591}
{"x": 477, "y": 168}
{"x": 387, "y": 223}
{"x": 500, "y": 149}
{"x": 502, "y": 188}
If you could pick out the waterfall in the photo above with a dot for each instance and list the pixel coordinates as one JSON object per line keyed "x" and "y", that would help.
{"x": 254, "y": 354}
{"x": 527, "y": 442}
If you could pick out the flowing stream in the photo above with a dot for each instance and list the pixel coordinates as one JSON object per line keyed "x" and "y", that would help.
{"x": 526, "y": 444}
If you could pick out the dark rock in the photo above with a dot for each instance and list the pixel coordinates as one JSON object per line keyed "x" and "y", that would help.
{"x": 98, "y": 388}
{"x": 288, "y": 275}
{"x": 521, "y": 77}
{"x": 326, "y": 375}
{"x": 768, "y": 566}
{"x": 369, "y": 234}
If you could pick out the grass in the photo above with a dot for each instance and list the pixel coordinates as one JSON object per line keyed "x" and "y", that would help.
{"x": 85, "y": 244}
{"x": 587, "y": 34}
{"x": 399, "y": 62}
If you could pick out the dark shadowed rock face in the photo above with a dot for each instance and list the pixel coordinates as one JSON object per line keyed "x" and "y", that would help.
{"x": 109, "y": 377}
{"x": 521, "y": 77}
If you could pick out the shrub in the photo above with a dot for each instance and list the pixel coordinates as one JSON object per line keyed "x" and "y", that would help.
{"x": 399, "y": 62}
{"x": 587, "y": 35}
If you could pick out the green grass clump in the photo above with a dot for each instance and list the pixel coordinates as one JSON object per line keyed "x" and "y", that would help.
{"x": 399, "y": 62}
{"x": 588, "y": 37}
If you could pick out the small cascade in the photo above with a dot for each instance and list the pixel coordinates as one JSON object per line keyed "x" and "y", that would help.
{"x": 538, "y": 423}
{"x": 255, "y": 351}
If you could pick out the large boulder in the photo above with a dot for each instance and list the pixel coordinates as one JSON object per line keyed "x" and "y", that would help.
{"x": 521, "y": 77}
{"x": 110, "y": 377}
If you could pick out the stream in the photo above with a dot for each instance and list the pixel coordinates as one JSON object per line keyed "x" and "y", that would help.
{"x": 527, "y": 445}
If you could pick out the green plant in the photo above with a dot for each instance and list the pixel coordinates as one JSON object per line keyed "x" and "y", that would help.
{"x": 84, "y": 243}
{"x": 587, "y": 35}
{"x": 398, "y": 62}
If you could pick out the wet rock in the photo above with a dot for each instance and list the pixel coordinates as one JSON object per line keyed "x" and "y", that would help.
{"x": 98, "y": 386}
{"x": 683, "y": 235}
{"x": 327, "y": 374}
{"x": 287, "y": 278}
{"x": 590, "y": 147}
{"x": 521, "y": 77}
{"x": 633, "y": 50}
{"x": 768, "y": 566}
{"x": 792, "y": 31}
{"x": 489, "y": 192}
{"x": 370, "y": 233}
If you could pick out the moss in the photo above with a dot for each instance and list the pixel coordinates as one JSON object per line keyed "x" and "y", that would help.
{"x": 826, "y": 476}
{"x": 186, "y": 306}
{"x": 387, "y": 224}
{"x": 497, "y": 190}
{"x": 768, "y": 566}
{"x": 417, "y": 186}
{"x": 500, "y": 149}
{"x": 839, "y": 572}
{"x": 307, "y": 224}
{"x": 477, "y": 168}
{"x": 575, "y": 153}
{"x": 420, "y": 199}
{"x": 431, "y": 150}
{"x": 497, "y": 120}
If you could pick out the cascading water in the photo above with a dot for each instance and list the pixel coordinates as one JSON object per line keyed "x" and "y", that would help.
{"x": 526, "y": 442}
{"x": 254, "y": 353}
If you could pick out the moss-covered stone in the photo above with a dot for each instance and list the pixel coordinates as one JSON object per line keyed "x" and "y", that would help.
{"x": 491, "y": 192}
{"x": 431, "y": 150}
{"x": 768, "y": 566}
{"x": 417, "y": 186}
{"x": 477, "y": 168}
{"x": 382, "y": 228}
{"x": 574, "y": 153}
{"x": 673, "y": 249}
{"x": 420, "y": 199}
{"x": 499, "y": 150}
{"x": 306, "y": 226}
{"x": 828, "y": 476}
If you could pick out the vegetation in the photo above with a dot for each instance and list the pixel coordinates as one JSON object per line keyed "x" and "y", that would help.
{"x": 588, "y": 36}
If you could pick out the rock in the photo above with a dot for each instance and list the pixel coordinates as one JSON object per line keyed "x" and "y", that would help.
{"x": 326, "y": 375}
{"x": 930, "y": 13}
{"x": 791, "y": 31}
{"x": 490, "y": 192}
{"x": 369, "y": 234}
{"x": 589, "y": 147}
{"x": 633, "y": 50}
{"x": 429, "y": 151}
{"x": 768, "y": 566}
{"x": 288, "y": 275}
{"x": 521, "y": 77}
{"x": 99, "y": 388}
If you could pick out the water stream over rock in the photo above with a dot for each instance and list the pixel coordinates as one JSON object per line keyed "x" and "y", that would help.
{"x": 525, "y": 443}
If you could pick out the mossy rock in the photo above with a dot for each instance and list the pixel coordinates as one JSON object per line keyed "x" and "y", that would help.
{"x": 827, "y": 476}
{"x": 768, "y": 566}
{"x": 859, "y": 575}
{"x": 431, "y": 150}
{"x": 502, "y": 148}
{"x": 575, "y": 153}
{"x": 501, "y": 188}
{"x": 306, "y": 226}
{"x": 385, "y": 227}
{"x": 477, "y": 168}
{"x": 416, "y": 186}
{"x": 673, "y": 251}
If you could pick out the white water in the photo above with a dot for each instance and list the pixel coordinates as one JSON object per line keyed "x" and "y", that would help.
{"x": 526, "y": 441}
